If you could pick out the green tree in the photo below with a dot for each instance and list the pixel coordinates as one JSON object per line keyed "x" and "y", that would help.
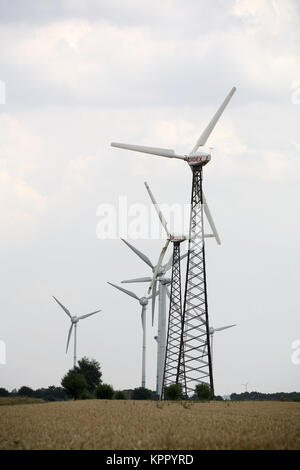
{"x": 203, "y": 391}
{"x": 26, "y": 391}
{"x": 90, "y": 369}
{"x": 74, "y": 384}
{"x": 104, "y": 392}
{"x": 51, "y": 393}
{"x": 4, "y": 392}
{"x": 141, "y": 393}
{"x": 120, "y": 395}
{"x": 173, "y": 392}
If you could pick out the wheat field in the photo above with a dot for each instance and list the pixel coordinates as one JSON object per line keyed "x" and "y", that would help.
{"x": 101, "y": 424}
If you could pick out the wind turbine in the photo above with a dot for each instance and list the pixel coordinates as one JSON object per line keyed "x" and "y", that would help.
{"x": 212, "y": 332}
{"x": 74, "y": 320}
{"x": 195, "y": 337}
{"x": 246, "y": 386}
{"x": 172, "y": 363}
{"x": 161, "y": 290}
{"x": 143, "y": 302}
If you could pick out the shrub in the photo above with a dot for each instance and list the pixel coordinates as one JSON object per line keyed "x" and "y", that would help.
{"x": 173, "y": 392}
{"x": 74, "y": 384}
{"x": 203, "y": 391}
{"x": 90, "y": 369}
{"x": 104, "y": 392}
{"x": 218, "y": 398}
{"x": 120, "y": 395}
{"x": 26, "y": 391}
{"x": 141, "y": 393}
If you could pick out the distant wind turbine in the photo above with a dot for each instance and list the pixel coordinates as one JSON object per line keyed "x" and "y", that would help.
{"x": 143, "y": 302}
{"x": 74, "y": 320}
{"x": 212, "y": 332}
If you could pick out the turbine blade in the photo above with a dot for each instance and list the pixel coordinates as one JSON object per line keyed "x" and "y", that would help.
{"x": 154, "y": 294}
{"x": 224, "y": 327}
{"x": 138, "y": 279}
{"x": 139, "y": 253}
{"x": 159, "y": 212}
{"x": 151, "y": 296}
{"x": 168, "y": 293}
{"x": 88, "y": 315}
{"x": 69, "y": 336}
{"x": 169, "y": 153}
{"x": 161, "y": 257}
{"x": 168, "y": 265}
{"x": 211, "y": 221}
{"x": 63, "y": 307}
{"x": 208, "y": 130}
{"x": 142, "y": 318}
{"x": 128, "y": 292}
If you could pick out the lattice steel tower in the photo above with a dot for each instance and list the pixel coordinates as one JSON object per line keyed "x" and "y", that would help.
{"x": 174, "y": 364}
{"x": 195, "y": 343}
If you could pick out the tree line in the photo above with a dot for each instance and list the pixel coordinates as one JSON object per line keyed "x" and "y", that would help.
{"x": 281, "y": 396}
{"x": 84, "y": 381}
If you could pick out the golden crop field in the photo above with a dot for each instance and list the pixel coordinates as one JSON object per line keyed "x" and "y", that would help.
{"x": 118, "y": 424}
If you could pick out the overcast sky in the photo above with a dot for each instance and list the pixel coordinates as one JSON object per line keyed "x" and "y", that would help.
{"x": 82, "y": 73}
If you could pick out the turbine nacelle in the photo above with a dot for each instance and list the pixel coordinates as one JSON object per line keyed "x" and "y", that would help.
{"x": 166, "y": 281}
{"x": 201, "y": 157}
{"x": 74, "y": 320}
{"x": 177, "y": 238}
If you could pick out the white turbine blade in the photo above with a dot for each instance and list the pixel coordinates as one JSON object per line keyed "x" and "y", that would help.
{"x": 224, "y": 327}
{"x": 69, "y": 337}
{"x": 88, "y": 315}
{"x": 161, "y": 257}
{"x": 128, "y": 292}
{"x": 159, "y": 212}
{"x": 208, "y": 130}
{"x": 168, "y": 265}
{"x": 211, "y": 221}
{"x": 63, "y": 307}
{"x": 142, "y": 318}
{"x": 169, "y": 153}
{"x": 154, "y": 294}
{"x": 168, "y": 293}
{"x": 139, "y": 253}
{"x": 138, "y": 279}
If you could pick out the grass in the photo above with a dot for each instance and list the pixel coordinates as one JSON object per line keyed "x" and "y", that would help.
{"x": 6, "y": 401}
{"x": 118, "y": 424}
